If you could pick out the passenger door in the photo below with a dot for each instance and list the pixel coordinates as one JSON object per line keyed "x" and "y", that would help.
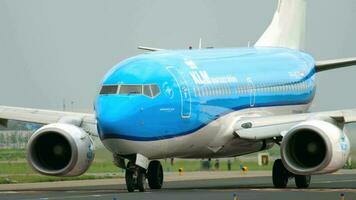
{"x": 252, "y": 91}
{"x": 185, "y": 96}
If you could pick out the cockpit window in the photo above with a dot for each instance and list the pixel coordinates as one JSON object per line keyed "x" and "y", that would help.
{"x": 130, "y": 89}
{"x": 155, "y": 90}
{"x": 109, "y": 89}
{"x": 147, "y": 90}
{"x": 150, "y": 90}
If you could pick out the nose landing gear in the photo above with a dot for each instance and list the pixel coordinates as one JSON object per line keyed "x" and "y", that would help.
{"x": 135, "y": 176}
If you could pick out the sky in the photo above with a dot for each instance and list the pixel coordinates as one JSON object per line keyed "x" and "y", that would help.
{"x": 54, "y": 51}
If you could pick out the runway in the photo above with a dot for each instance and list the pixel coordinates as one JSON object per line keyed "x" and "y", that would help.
{"x": 323, "y": 187}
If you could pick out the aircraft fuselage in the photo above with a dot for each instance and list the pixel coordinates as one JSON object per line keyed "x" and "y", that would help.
{"x": 185, "y": 103}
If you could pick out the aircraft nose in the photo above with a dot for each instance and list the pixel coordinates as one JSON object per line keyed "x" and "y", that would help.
{"x": 112, "y": 114}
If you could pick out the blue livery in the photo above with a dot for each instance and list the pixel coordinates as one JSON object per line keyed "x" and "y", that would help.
{"x": 168, "y": 94}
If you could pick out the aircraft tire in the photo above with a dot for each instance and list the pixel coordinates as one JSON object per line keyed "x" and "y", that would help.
{"x": 302, "y": 181}
{"x": 130, "y": 180}
{"x": 280, "y": 174}
{"x": 141, "y": 180}
{"x": 155, "y": 175}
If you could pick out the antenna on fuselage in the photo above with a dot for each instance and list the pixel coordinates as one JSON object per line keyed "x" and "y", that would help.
{"x": 200, "y": 43}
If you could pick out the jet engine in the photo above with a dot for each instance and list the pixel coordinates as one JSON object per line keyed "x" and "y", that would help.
{"x": 315, "y": 147}
{"x": 60, "y": 150}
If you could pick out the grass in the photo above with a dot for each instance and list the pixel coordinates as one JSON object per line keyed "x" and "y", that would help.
{"x": 39, "y": 178}
{"x": 12, "y": 154}
{"x": 15, "y": 168}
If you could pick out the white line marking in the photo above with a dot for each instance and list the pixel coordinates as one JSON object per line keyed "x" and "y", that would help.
{"x": 337, "y": 181}
{"x": 9, "y": 192}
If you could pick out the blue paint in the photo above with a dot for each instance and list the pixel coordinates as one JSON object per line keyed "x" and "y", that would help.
{"x": 214, "y": 82}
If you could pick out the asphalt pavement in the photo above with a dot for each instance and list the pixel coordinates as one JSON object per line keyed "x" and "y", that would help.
{"x": 249, "y": 187}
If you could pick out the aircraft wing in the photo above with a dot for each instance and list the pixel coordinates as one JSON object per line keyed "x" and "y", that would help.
{"x": 149, "y": 48}
{"x": 258, "y": 128}
{"x": 85, "y": 120}
{"x": 334, "y": 64}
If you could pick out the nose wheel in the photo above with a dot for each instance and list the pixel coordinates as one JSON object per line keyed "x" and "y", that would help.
{"x": 155, "y": 175}
{"x": 135, "y": 176}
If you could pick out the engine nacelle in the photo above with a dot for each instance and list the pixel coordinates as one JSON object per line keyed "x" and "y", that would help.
{"x": 60, "y": 150}
{"x": 315, "y": 147}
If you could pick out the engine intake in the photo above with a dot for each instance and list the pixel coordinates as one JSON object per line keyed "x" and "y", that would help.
{"x": 307, "y": 149}
{"x": 60, "y": 150}
{"x": 314, "y": 147}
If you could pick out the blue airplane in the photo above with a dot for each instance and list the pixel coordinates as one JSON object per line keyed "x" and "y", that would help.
{"x": 202, "y": 103}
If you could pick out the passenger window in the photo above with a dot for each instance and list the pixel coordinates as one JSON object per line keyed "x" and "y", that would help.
{"x": 109, "y": 89}
{"x": 130, "y": 89}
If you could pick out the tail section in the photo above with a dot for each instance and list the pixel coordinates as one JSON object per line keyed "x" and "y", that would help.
{"x": 287, "y": 28}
